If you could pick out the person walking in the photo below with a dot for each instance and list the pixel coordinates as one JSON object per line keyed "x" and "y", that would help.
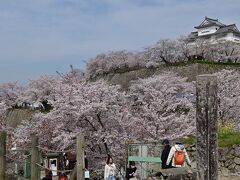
{"x": 165, "y": 154}
{"x": 178, "y": 155}
{"x": 110, "y": 169}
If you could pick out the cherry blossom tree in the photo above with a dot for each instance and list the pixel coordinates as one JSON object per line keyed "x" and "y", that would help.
{"x": 229, "y": 96}
{"x": 9, "y": 93}
{"x": 3, "y": 109}
{"x": 161, "y": 51}
{"x": 219, "y": 51}
{"x": 184, "y": 49}
{"x": 40, "y": 89}
{"x": 113, "y": 62}
{"x": 161, "y": 108}
{"x": 229, "y": 51}
{"x": 94, "y": 109}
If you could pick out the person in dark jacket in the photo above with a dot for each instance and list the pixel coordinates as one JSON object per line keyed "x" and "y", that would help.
{"x": 165, "y": 153}
{"x": 131, "y": 171}
{"x": 49, "y": 176}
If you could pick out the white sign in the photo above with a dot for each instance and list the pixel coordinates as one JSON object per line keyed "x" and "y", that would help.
{"x": 87, "y": 174}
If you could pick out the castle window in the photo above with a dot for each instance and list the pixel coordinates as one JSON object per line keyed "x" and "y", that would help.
{"x": 205, "y": 31}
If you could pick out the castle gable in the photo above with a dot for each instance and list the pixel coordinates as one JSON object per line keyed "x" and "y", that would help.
{"x": 208, "y": 22}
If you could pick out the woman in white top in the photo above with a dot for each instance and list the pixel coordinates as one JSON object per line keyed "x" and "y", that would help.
{"x": 110, "y": 168}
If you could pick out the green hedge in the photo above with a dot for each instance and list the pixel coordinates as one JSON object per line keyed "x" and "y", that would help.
{"x": 216, "y": 63}
{"x": 224, "y": 140}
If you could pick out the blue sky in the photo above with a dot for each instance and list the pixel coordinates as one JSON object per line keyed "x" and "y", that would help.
{"x": 44, "y": 36}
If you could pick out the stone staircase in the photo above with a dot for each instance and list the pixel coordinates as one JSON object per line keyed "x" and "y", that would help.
{"x": 184, "y": 173}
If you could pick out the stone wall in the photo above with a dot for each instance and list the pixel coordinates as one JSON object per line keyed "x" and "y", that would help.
{"x": 229, "y": 159}
{"x": 16, "y": 116}
{"x": 189, "y": 70}
{"x": 184, "y": 173}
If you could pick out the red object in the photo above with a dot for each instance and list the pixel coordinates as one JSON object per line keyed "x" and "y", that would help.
{"x": 179, "y": 157}
{"x": 63, "y": 177}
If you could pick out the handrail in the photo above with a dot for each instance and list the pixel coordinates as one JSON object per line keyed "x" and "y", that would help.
{"x": 137, "y": 144}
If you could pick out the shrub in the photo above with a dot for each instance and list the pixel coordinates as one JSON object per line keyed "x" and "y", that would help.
{"x": 226, "y": 128}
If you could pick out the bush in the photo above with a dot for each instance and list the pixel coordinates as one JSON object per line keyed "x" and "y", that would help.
{"x": 226, "y": 128}
{"x": 216, "y": 63}
{"x": 229, "y": 139}
{"x": 227, "y": 136}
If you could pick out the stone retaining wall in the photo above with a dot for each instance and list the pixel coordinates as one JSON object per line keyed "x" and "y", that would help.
{"x": 228, "y": 159}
